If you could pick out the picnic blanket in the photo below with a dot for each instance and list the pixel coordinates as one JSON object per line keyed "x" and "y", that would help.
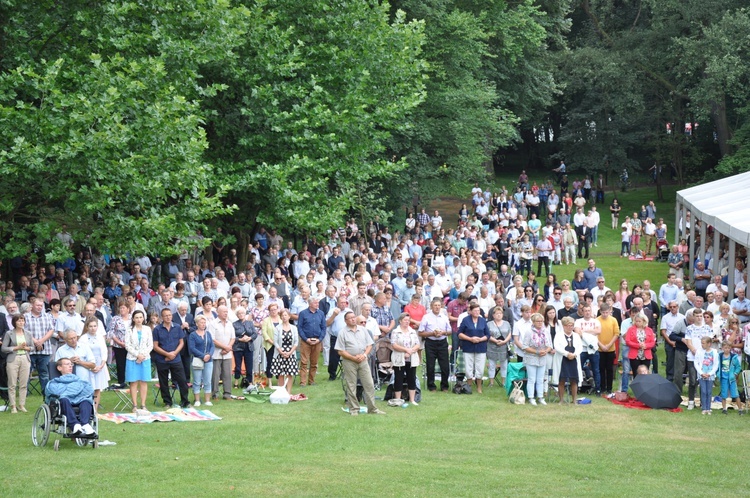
{"x": 647, "y": 258}
{"x": 631, "y": 402}
{"x": 172, "y": 415}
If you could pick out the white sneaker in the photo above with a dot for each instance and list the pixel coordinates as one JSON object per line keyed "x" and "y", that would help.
{"x": 542, "y": 402}
{"x": 77, "y": 428}
{"x": 691, "y": 405}
{"x": 197, "y": 403}
{"x": 208, "y": 403}
{"x": 87, "y": 429}
{"x": 532, "y": 402}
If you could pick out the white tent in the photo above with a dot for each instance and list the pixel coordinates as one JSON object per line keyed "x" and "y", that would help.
{"x": 722, "y": 204}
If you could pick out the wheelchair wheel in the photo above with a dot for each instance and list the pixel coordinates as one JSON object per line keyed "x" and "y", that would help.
{"x": 42, "y": 424}
{"x": 57, "y": 445}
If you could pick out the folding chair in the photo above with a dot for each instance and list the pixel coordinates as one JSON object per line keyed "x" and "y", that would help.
{"x": 35, "y": 385}
{"x": 123, "y": 399}
{"x": 157, "y": 392}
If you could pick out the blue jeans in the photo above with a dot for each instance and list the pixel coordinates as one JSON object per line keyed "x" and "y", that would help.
{"x": 40, "y": 362}
{"x": 247, "y": 354}
{"x": 204, "y": 377}
{"x": 625, "y": 379}
{"x": 595, "y": 234}
{"x": 706, "y": 387}
{"x": 594, "y": 359}
{"x": 535, "y": 382}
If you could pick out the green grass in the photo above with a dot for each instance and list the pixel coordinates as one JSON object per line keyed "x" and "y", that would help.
{"x": 450, "y": 445}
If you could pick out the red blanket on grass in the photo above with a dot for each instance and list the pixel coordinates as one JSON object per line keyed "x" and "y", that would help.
{"x": 634, "y": 403}
{"x": 647, "y": 258}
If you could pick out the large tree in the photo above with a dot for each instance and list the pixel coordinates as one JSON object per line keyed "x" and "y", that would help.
{"x": 299, "y": 134}
{"x": 100, "y": 123}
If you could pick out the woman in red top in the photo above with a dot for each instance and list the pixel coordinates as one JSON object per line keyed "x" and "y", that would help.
{"x": 640, "y": 339}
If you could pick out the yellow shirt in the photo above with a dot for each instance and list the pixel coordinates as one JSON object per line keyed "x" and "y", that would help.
{"x": 610, "y": 330}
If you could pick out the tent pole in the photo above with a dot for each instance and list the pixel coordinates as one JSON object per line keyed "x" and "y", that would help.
{"x": 715, "y": 260}
{"x": 677, "y": 212}
{"x": 702, "y": 248}
{"x": 691, "y": 247}
{"x": 730, "y": 273}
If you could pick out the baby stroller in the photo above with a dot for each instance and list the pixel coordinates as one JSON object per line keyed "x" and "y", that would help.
{"x": 662, "y": 250}
{"x": 588, "y": 385}
{"x": 380, "y": 362}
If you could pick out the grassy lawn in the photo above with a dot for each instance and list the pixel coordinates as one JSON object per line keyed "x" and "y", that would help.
{"x": 450, "y": 445}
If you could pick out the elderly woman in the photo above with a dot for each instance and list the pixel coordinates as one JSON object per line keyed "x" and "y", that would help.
{"x": 201, "y": 346}
{"x": 257, "y": 314}
{"x": 567, "y": 361}
{"x": 243, "y": 348}
{"x": 536, "y": 344}
{"x": 285, "y": 344}
{"x": 118, "y": 328}
{"x": 139, "y": 344}
{"x": 17, "y": 344}
{"x": 474, "y": 334}
{"x": 268, "y": 328}
{"x": 640, "y": 339}
{"x": 405, "y": 358}
{"x": 497, "y": 346}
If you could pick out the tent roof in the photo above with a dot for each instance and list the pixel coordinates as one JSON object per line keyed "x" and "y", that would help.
{"x": 722, "y": 204}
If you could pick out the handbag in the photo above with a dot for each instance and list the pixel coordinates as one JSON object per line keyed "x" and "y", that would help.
{"x": 517, "y": 397}
{"x": 198, "y": 363}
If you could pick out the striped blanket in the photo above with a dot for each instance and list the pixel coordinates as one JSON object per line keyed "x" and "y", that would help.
{"x": 172, "y": 415}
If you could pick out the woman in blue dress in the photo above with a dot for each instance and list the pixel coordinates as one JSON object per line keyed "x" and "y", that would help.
{"x": 139, "y": 343}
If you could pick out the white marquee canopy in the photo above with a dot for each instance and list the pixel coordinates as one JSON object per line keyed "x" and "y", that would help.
{"x": 725, "y": 205}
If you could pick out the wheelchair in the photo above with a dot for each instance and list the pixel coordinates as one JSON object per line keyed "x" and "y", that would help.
{"x": 50, "y": 419}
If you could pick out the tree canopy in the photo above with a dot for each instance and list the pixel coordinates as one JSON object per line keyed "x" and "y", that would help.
{"x": 136, "y": 124}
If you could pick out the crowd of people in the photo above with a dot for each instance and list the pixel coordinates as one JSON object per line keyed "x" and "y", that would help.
{"x": 439, "y": 286}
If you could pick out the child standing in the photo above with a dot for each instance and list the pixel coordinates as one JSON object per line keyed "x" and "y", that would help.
{"x": 729, "y": 369}
{"x": 625, "y": 238}
{"x": 706, "y": 363}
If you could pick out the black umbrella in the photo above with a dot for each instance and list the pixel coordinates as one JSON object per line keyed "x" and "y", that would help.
{"x": 655, "y": 391}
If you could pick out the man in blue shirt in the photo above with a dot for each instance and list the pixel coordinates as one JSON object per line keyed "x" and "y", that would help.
{"x": 591, "y": 274}
{"x": 311, "y": 325}
{"x": 169, "y": 340}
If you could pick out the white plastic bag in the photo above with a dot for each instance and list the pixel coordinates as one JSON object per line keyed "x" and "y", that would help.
{"x": 279, "y": 396}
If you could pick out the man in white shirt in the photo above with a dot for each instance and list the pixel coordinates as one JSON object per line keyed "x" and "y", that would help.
{"x": 520, "y": 328}
{"x": 589, "y": 329}
{"x": 600, "y": 289}
{"x": 717, "y": 285}
{"x": 668, "y": 322}
{"x": 579, "y": 217}
{"x": 593, "y": 219}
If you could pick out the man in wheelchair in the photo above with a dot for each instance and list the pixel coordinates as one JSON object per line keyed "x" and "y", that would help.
{"x": 70, "y": 391}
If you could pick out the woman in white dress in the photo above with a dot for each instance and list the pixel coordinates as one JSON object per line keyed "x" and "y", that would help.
{"x": 99, "y": 375}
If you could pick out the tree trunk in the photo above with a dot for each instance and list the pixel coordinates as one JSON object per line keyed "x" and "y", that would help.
{"x": 723, "y": 132}
{"x": 243, "y": 243}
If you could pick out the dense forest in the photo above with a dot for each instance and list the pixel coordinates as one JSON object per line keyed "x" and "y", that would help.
{"x": 138, "y": 123}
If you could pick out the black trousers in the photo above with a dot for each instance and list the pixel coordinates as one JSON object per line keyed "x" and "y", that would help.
{"x": 121, "y": 355}
{"x": 3, "y": 378}
{"x": 186, "y": 359}
{"x": 163, "y": 371}
{"x": 669, "y": 351}
{"x": 607, "y": 369}
{"x": 269, "y": 360}
{"x": 437, "y": 350}
{"x": 407, "y": 371}
{"x": 333, "y": 359}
